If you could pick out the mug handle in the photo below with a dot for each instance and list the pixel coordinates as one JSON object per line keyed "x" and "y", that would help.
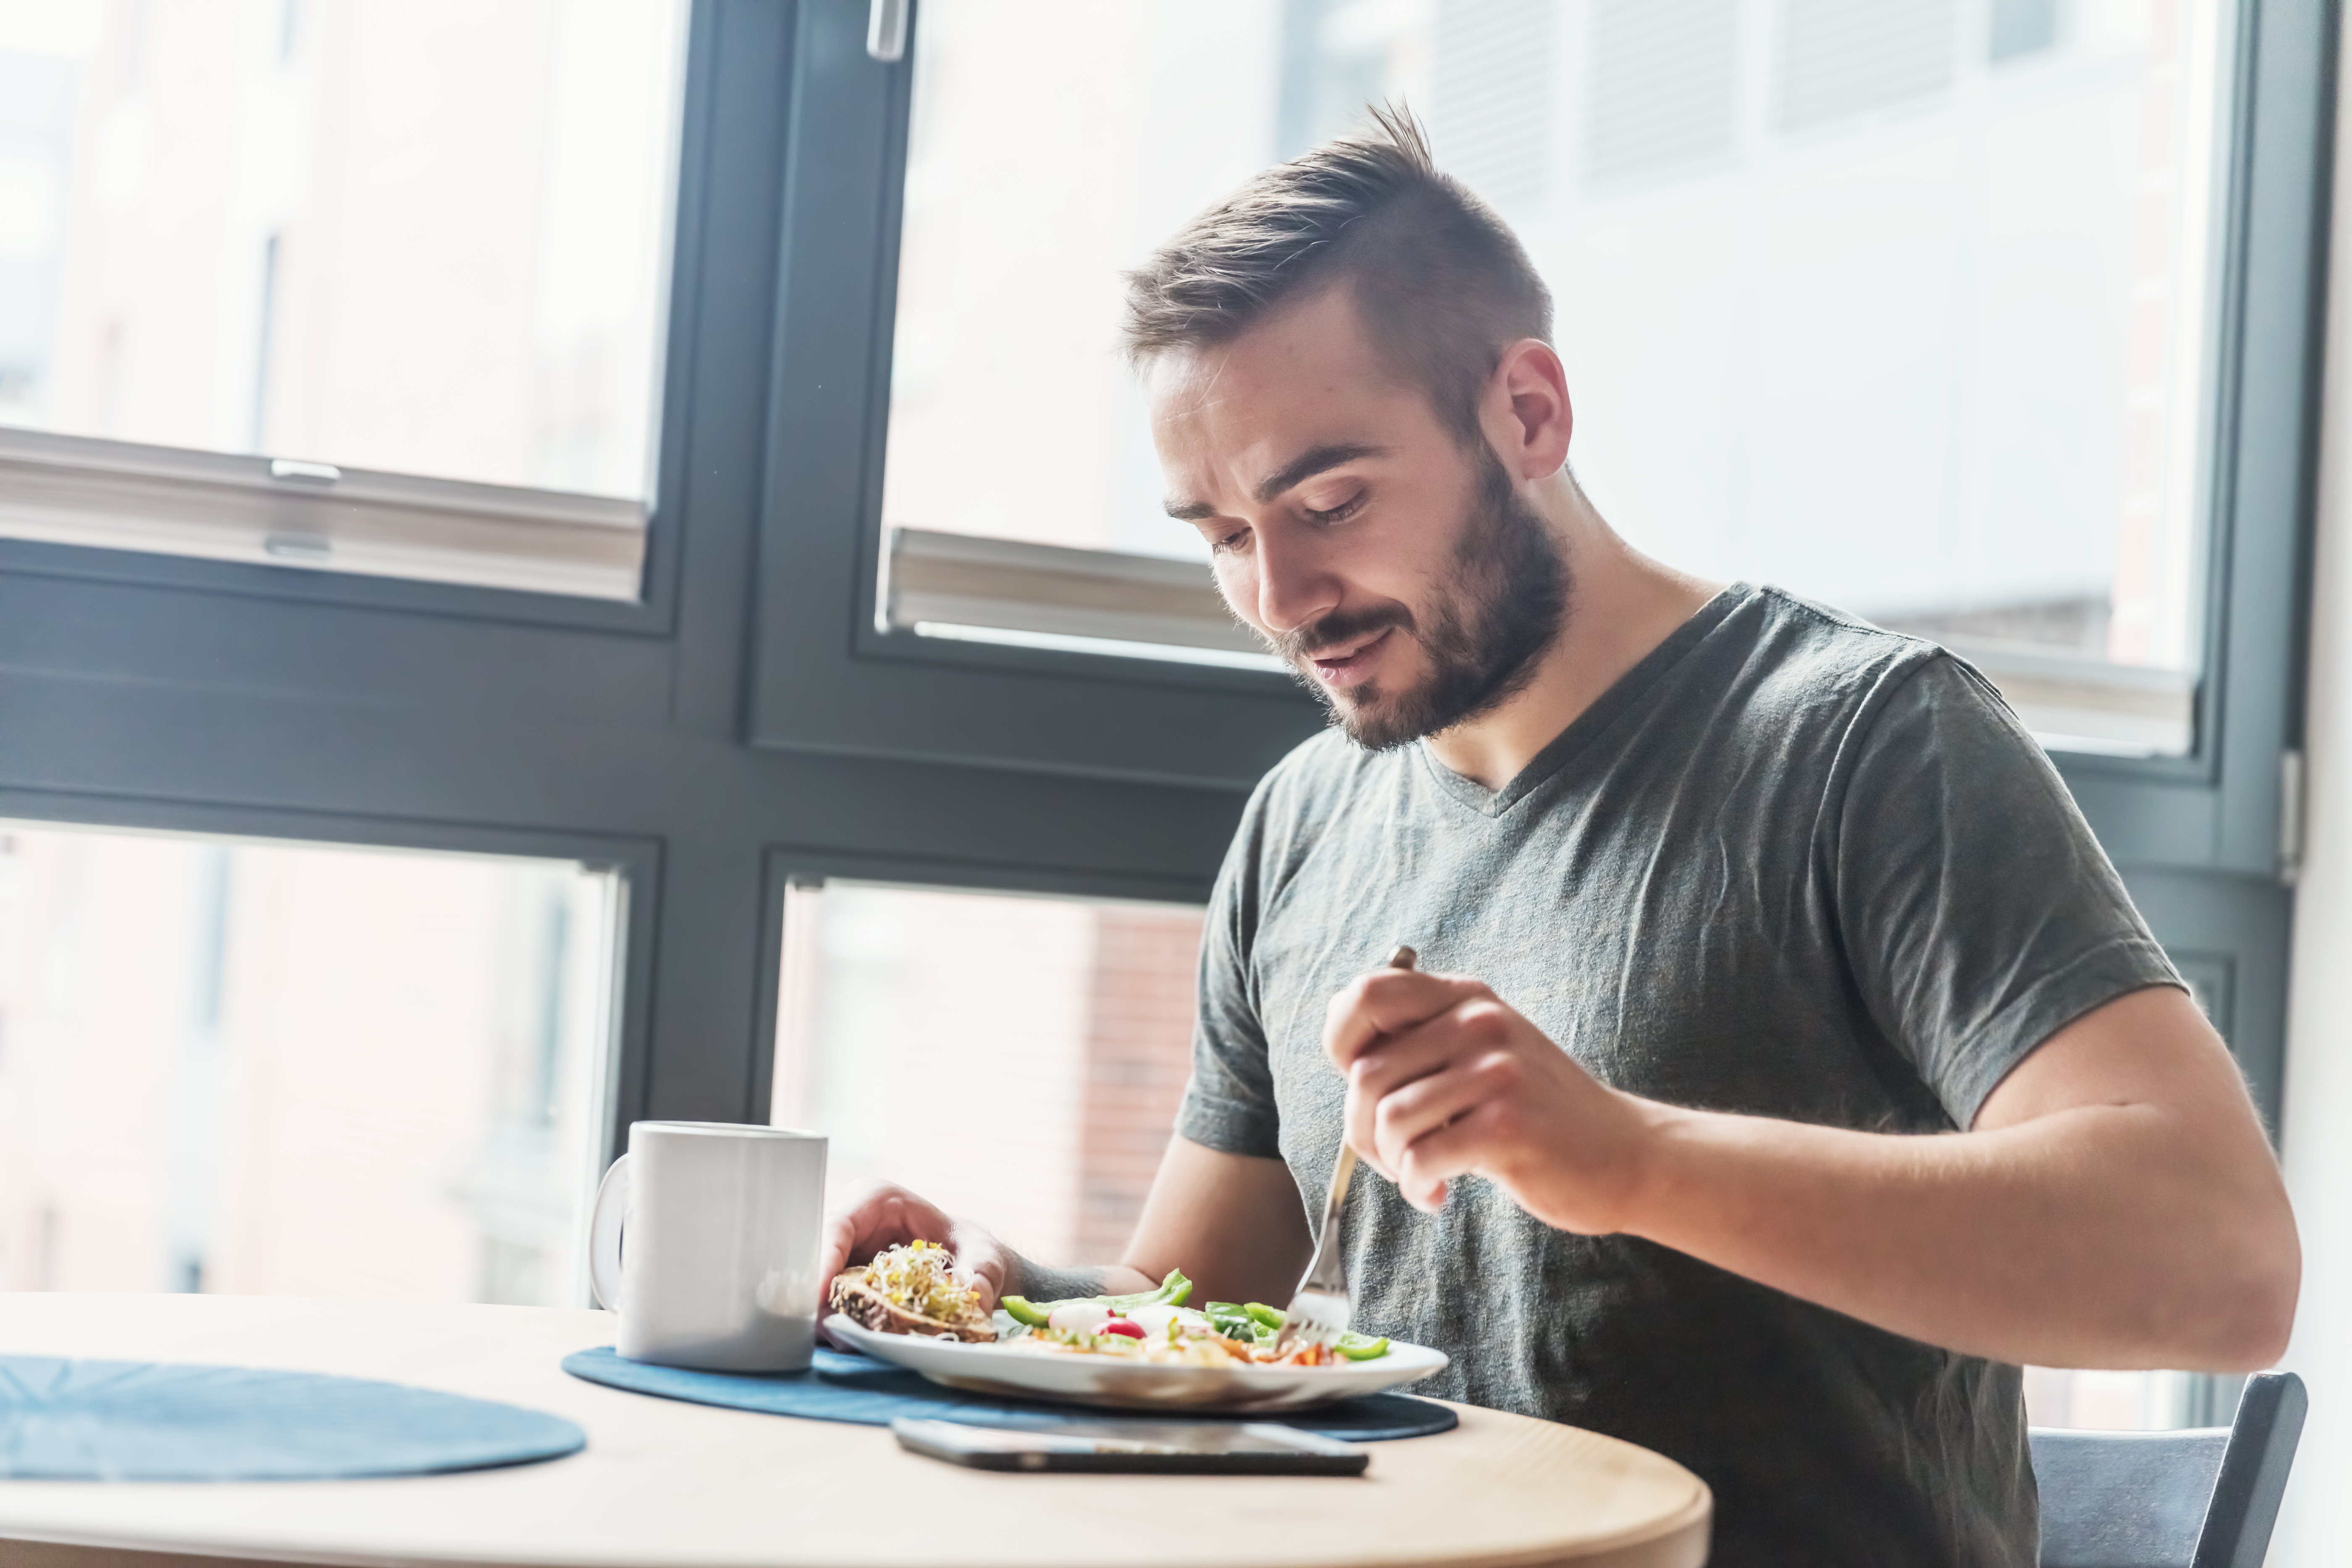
{"x": 604, "y": 1234}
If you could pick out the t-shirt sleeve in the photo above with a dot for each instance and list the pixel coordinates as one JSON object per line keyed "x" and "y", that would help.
{"x": 1979, "y": 914}
{"x": 1229, "y": 1104}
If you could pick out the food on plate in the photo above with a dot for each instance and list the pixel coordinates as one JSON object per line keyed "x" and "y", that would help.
{"x": 1171, "y": 1292}
{"x": 913, "y": 1290}
{"x": 918, "y": 1289}
{"x": 1255, "y": 1322}
{"x": 1158, "y": 1328}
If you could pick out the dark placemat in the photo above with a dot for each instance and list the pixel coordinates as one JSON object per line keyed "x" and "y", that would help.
{"x": 870, "y": 1393}
{"x": 64, "y": 1420}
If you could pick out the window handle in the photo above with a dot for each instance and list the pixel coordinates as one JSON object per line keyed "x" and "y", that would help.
{"x": 886, "y": 31}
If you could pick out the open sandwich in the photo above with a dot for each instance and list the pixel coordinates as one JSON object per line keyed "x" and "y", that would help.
{"x": 912, "y": 1289}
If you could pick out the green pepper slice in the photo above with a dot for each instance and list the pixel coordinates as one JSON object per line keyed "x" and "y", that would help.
{"x": 1362, "y": 1347}
{"x": 1022, "y": 1312}
{"x": 1037, "y": 1314}
{"x": 1171, "y": 1293}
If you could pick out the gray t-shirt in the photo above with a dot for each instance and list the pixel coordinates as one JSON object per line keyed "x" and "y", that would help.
{"x": 1790, "y": 865}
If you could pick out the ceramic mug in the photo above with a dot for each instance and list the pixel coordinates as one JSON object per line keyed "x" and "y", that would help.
{"x": 704, "y": 1240}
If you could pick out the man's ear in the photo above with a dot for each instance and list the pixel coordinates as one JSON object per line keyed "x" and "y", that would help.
{"x": 1527, "y": 412}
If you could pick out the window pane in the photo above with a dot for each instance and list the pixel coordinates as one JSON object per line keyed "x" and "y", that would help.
{"x": 2130, "y": 1401}
{"x": 1063, "y": 1027}
{"x": 406, "y": 237}
{"x": 1902, "y": 306}
{"x": 285, "y": 1070}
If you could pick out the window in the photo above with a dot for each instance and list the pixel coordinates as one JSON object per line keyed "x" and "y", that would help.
{"x": 1903, "y": 304}
{"x": 1022, "y": 496}
{"x": 336, "y": 283}
{"x": 2129, "y": 1401}
{"x": 743, "y": 722}
{"x": 290, "y": 1070}
{"x": 1015, "y": 1057}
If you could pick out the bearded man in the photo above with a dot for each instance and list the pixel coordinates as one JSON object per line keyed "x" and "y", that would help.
{"x": 1789, "y": 1065}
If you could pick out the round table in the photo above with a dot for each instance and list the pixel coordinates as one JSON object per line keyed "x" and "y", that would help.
{"x": 685, "y": 1486}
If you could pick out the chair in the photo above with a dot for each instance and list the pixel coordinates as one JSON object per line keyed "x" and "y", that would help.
{"x": 2204, "y": 1497}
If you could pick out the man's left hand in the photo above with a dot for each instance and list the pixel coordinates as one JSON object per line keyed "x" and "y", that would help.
{"x": 1445, "y": 1080}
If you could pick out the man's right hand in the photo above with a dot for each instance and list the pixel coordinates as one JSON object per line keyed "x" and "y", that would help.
{"x": 876, "y": 1215}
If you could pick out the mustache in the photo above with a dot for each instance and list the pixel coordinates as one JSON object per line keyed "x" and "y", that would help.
{"x": 1300, "y": 644}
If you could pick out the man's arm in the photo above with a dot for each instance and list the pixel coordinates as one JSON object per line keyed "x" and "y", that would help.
{"x": 2115, "y": 1204}
{"x": 1232, "y": 1222}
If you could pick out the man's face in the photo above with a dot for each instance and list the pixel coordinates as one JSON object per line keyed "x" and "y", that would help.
{"x": 1405, "y": 579}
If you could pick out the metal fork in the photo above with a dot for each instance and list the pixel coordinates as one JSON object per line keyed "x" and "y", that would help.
{"x": 1321, "y": 1311}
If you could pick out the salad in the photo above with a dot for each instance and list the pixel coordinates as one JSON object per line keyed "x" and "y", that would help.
{"x": 1156, "y": 1327}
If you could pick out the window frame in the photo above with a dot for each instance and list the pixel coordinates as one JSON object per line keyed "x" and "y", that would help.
{"x": 824, "y": 677}
{"x": 635, "y": 864}
{"x": 785, "y": 866}
{"x": 653, "y": 612}
{"x": 2220, "y": 802}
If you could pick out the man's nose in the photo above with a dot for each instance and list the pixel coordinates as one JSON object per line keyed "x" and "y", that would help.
{"x": 1295, "y": 588}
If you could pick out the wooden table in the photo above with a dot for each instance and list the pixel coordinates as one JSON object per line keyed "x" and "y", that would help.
{"x": 685, "y": 1486}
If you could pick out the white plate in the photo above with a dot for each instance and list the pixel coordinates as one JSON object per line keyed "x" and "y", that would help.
{"x": 1122, "y": 1384}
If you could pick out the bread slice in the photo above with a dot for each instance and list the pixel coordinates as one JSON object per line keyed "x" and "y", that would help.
{"x": 855, "y": 1298}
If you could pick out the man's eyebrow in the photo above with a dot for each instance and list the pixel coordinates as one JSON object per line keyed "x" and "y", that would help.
{"x": 1297, "y": 472}
{"x": 1313, "y": 462}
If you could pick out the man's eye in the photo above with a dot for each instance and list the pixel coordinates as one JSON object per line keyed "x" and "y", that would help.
{"x": 1341, "y": 514}
{"x": 1226, "y": 544}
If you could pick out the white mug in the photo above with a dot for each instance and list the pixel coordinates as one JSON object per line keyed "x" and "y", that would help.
{"x": 719, "y": 1270}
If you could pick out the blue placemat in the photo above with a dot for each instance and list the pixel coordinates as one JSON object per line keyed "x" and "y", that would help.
{"x": 870, "y": 1393}
{"x": 155, "y": 1421}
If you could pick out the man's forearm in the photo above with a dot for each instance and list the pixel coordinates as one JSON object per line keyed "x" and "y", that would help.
{"x": 2103, "y": 1236}
{"x": 1036, "y": 1282}
{"x": 2113, "y": 1202}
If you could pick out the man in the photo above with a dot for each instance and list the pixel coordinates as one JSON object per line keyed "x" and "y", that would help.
{"x": 1788, "y": 1063}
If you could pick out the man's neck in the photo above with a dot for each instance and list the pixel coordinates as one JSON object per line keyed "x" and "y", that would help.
{"x": 1620, "y": 606}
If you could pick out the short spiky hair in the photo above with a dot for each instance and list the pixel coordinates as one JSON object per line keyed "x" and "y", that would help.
{"x": 1442, "y": 282}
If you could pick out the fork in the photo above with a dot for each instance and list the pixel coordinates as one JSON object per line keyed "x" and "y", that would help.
{"x": 1321, "y": 1310}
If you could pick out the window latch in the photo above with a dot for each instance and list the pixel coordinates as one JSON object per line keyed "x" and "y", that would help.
{"x": 886, "y": 31}
{"x": 2291, "y": 806}
{"x": 288, "y": 471}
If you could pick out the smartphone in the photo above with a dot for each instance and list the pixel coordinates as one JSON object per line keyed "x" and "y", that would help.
{"x": 1192, "y": 1448}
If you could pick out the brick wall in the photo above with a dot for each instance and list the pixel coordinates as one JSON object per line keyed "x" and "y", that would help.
{"x": 1138, "y": 1057}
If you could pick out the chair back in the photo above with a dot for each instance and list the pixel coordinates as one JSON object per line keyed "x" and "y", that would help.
{"x": 2204, "y": 1497}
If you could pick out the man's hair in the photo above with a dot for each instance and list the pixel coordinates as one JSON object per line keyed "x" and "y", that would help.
{"x": 1440, "y": 282}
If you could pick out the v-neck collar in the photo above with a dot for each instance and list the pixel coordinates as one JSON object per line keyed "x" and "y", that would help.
{"x": 1628, "y": 689}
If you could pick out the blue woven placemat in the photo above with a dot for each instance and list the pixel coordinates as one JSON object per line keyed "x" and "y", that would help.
{"x": 157, "y": 1421}
{"x": 870, "y": 1393}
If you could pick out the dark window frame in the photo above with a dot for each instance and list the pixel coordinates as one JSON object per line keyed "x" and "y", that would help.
{"x": 824, "y": 676}
{"x": 655, "y": 611}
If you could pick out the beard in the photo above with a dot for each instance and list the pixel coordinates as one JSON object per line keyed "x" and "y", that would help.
{"x": 1483, "y": 639}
